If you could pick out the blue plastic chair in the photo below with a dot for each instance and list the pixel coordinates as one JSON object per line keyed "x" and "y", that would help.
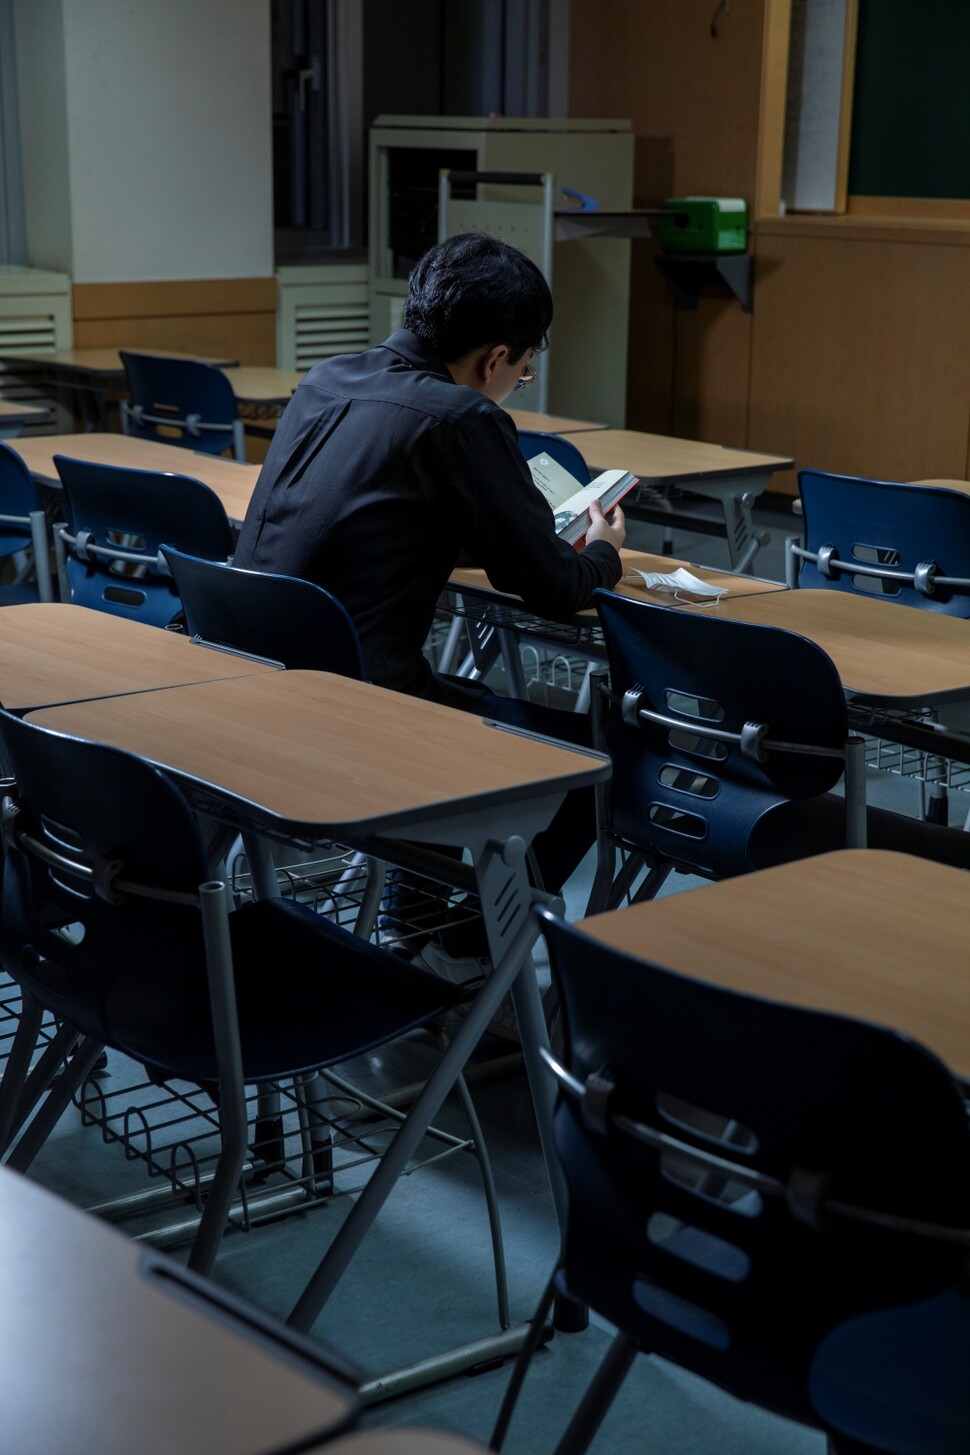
{"x": 746, "y": 1187}
{"x": 23, "y": 527}
{"x": 563, "y": 451}
{"x": 111, "y": 923}
{"x": 908, "y": 544}
{"x": 904, "y": 543}
{"x": 279, "y": 618}
{"x": 108, "y": 551}
{"x": 726, "y": 738}
{"x": 181, "y": 402}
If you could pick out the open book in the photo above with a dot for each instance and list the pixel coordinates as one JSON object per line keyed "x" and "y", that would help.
{"x": 570, "y": 501}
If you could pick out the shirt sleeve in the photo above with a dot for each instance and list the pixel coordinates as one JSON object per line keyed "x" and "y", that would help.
{"x": 510, "y": 531}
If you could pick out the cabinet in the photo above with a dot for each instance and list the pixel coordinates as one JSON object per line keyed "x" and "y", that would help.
{"x": 590, "y": 274}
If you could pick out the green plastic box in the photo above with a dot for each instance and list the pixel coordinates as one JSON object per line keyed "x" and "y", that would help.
{"x": 704, "y": 225}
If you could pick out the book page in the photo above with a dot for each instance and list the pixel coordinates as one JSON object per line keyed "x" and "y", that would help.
{"x": 555, "y": 482}
{"x": 580, "y": 499}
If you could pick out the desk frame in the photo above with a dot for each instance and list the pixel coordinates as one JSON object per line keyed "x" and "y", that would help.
{"x": 477, "y": 821}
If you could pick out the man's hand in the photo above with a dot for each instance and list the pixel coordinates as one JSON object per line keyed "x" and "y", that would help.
{"x": 601, "y": 529}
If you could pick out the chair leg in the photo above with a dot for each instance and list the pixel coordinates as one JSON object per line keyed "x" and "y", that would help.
{"x": 13, "y": 1085}
{"x": 57, "y": 1102}
{"x": 491, "y": 1202}
{"x": 600, "y": 1394}
{"x": 537, "y": 1331}
{"x": 370, "y": 903}
{"x": 609, "y": 890}
{"x": 316, "y": 1133}
{"x": 233, "y": 1121}
{"x": 653, "y": 882}
{"x": 422, "y": 1113}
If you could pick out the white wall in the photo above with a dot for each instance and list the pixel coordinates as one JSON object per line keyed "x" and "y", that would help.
{"x": 39, "y": 36}
{"x": 165, "y": 116}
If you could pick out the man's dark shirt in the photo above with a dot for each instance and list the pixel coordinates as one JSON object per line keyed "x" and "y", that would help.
{"x": 383, "y": 473}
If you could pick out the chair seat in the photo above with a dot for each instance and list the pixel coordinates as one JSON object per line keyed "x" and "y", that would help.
{"x": 814, "y": 826}
{"x": 292, "y": 1018}
{"x": 897, "y": 1379}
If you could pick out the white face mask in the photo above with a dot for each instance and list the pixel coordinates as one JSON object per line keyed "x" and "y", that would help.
{"x": 677, "y": 581}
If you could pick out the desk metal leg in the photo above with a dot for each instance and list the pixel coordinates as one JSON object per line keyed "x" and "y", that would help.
{"x": 262, "y": 870}
{"x": 268, "y": 1133}
{"x": 395, "y": 1159}
{"x": 42, "y": 555}
{"x": 534, "y": 1034}
{"x": 736, "y": 498}
{"x": 446, "y": 660}
{"x": 512, "y": 663}
{"x": 855, "y": 792}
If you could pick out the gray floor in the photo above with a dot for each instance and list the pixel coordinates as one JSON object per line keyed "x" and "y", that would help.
{"x": 422, "y": 1280}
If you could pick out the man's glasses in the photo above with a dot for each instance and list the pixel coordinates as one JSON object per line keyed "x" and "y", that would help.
{"x": 527, "y": 377}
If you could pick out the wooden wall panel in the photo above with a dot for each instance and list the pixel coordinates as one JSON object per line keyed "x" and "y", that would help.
{"x": 657, "y": 63}
{"x": 859, "y": 355}
{"x": 235, "y": 317}
{"x": 694, "y": 102}
{"x": 650, "y": 356}
{"x": 855, "y": 358}
{"x": 711, "y": 373}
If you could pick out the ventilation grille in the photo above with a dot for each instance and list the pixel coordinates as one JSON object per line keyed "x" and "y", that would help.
{"x": 322, "y": 311}
{"x": 35, "y": 316}
{"x": 20, "y": 383}
{"x": 322, "y": 330}
{"x": 36, "y": 332}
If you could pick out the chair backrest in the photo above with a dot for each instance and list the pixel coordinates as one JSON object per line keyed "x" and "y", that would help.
{"x": 18, "y": 498}
{"x": 676, "y": 789}
{"x": 280, "y": 618}
{"x": 134, "y": 511}
{"x": 181, "y": 402}
{"x": 696, "y": 1266}
{"x": 73, "y": 949}
{"x": 877, "y": 524}
{"x": 563, "y": 451}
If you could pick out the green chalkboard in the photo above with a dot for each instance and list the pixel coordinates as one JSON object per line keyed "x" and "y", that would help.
{"x": 911, "y": 102}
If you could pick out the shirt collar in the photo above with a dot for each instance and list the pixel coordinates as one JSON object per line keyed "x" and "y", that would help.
{"x": 417, "y": 353}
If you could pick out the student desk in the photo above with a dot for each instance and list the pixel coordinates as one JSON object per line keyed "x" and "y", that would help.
{"x": 893, "y": 661}
{"x": 110, "y": 1348}
{"x": 550, "y": 423}
{"x": 233, "y": 481}
{"x": 963, "y": 486}
{"x": 263, "y": 387}
{"x": 861, "y": 932}
{"x": 89, "y": 375}
{"x": 13, "y": 414}
{"x": 887, "y": 655}
{"x": 262, "y": 394}
{"x": 52, "y": 652}
{"x": 306, "y": 756}
{"x": 470, "y": 595}
{"x": 663, "y": 463}
{"x": 261, "y": 413}
{"x": 101, "y": 363}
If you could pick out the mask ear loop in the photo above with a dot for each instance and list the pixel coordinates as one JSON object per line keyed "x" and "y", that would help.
{"x": 712, "y": 602}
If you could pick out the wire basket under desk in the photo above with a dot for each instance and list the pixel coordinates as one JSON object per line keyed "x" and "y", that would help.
{"x": 309, "y": 1140}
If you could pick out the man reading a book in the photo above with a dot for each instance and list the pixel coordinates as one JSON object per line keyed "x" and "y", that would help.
{"x": 391, "y": 465}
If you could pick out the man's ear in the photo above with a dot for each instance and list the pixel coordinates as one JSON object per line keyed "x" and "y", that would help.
{"x": 489, "y": 359}
{"x": 477, "y": 369}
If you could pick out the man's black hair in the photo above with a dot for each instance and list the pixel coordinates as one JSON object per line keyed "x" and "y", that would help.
{"x": 475, "y": 289}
